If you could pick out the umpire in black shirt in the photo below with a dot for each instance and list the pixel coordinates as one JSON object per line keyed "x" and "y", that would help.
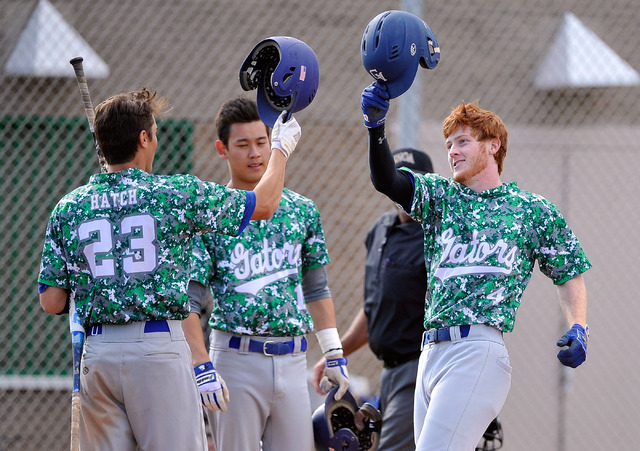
{"x": 392, "y": 318}
{"x": 396, "y": 279}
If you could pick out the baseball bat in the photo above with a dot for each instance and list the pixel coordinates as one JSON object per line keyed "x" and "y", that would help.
{"x": 75, "y": 326}
{"x": 77, "y": 341}
{"x": 88, "y": 106}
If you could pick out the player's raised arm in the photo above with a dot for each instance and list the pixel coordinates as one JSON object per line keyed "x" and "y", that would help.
{"x": 396, "y": 185}
{"x": 393, "y": 73}
{"x": 284, "y": 138}
{"x": 287, "y": 71}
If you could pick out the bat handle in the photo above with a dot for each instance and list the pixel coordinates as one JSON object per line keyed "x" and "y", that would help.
{"x": 75, "y": 422}
{"x": 88, "y": 107}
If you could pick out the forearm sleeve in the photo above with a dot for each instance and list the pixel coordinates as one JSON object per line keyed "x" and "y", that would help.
{"x": 199, "y": 296}
{"x": 396, "y": 185}
{"x": 315, "y": 284}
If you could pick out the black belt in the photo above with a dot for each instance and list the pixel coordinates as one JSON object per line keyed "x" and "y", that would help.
{"x": 149, "y": 326}
{"x": 443, "y": 334}
{"x": 269, "y": 347}
{"x": 399, "y": 360}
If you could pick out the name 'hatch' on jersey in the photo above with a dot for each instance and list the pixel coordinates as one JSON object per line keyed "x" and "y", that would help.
{"x": 121, "y": 244}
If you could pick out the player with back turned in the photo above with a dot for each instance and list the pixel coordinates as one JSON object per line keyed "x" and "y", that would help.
{"x": 482, "y": 238}
{"x": 120, "y": 248}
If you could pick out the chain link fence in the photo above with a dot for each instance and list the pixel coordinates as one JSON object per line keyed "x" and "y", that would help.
{"x": 560, "y": 73}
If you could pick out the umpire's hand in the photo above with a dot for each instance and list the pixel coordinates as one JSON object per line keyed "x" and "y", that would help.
{"x": 213, "y": 390}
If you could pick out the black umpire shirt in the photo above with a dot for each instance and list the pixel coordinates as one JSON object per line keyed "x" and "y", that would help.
{"x": 394, "y": 289}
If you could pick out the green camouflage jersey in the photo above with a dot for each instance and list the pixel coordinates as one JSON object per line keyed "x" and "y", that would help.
{"x": 481, "y": 248}
{"x": 256, "y": 277}
{"x": 201, "y": 264}
{"x": 122, "y": 243}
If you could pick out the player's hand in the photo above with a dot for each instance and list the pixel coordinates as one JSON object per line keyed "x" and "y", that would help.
{"x": 335, "y": 373}
{"x": 285, "y": 135}
{"x": 375, "y": 104}
{"x": 576, "y": 340}
{"x": 213, "y": 390}
{"x": 318, "y": 373}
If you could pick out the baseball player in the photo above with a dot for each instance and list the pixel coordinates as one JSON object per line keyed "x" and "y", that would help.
{"x": 270, "y": 290}
{"x": 391, "y": 320}
{"x": 120, "y": 247}
{"x": 481, "y": 240}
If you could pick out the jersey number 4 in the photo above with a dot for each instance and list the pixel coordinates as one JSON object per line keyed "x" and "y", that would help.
{"x": 141, "y": 255}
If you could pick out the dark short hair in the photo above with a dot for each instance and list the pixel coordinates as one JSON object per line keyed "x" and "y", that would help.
{"x": 120, "y": 119}
{"x": 238, "y": 110}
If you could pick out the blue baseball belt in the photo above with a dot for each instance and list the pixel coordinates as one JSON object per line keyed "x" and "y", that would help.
{"x": 269, "y": 347}
{"x": 443, "y": 334}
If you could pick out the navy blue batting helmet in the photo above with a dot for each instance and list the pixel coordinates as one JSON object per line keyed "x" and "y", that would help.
{"x": 393, "y": 45}
{"x": 342, "y": 425}
{"x": 286, "y": 73}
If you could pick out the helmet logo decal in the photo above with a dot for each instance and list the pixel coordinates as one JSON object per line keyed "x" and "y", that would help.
{"x": 414, "y": 49}
{"x": 377, "y": 75}
{"x": 303, "y": 72}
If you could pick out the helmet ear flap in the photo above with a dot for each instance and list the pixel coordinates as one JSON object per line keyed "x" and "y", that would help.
{"x": 431, "y": 55}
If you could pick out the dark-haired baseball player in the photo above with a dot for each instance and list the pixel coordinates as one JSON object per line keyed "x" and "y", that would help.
{"x": 120, "y": 247}
{"x": 270, "y": 290}
{"x": 482, "y": 238}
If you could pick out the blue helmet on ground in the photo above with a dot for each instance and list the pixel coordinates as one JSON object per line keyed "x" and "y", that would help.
{"x": 286, "y": 73}
{"x": 393, "y": 45}
{"x": 342, "y": 425}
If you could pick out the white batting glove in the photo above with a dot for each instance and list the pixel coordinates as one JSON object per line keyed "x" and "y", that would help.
{"x": 335, "y": 373}
{"x": 213, "y": 390}
{"x": 285, "y": 135}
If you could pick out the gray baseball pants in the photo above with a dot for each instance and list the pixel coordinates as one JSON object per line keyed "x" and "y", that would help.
{"x": 138, "y": 391}
{"x": 461, "y": 387}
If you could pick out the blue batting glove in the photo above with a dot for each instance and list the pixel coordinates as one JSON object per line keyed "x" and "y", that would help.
{"x": 335, "y": 373}
{"x": 576, "y": 340}
{"x": 375, "y": 104}
{"x": 213, "y": 390}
